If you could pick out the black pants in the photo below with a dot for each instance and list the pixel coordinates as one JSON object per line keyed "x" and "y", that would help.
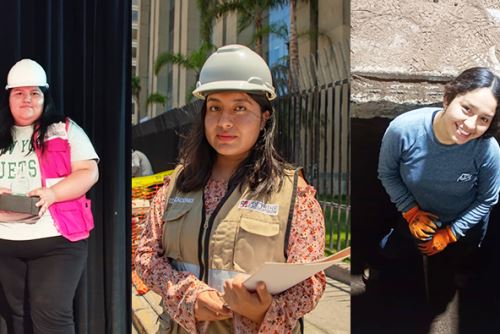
{"x": 39, "y": 279}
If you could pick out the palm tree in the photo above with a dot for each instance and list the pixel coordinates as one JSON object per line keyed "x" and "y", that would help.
{"x": 312, "y": 34}
{"x": 250, "y": 12}
{"x": 280, "y": 73}
{"x": 193, "y": 61}
{"x": 196, "y": 59}
{"x": 207, "y": 18}
{"x": 293, "y": 49}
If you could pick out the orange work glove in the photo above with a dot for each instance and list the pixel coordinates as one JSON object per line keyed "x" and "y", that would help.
{"x": 420, "y": 223}
{"x": 439, "y": 241}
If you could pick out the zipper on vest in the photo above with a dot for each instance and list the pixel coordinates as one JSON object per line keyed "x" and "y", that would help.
{"x": 200, "y": 239}
{"x": 205, "y": 231}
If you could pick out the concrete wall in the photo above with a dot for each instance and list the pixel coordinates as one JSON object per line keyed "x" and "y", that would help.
{"x": 323, "y": 54}
{"x": 403, "y": 51}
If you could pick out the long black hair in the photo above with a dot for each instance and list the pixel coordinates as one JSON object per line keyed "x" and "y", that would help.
{"x": 471, "y": 79}
{"x": 50, "y": 114}
{"x": 262, "y": 171}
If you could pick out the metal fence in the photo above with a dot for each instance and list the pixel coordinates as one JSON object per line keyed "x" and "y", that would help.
{"x": 313, "y": 132}
{"x": 327, "y": 65}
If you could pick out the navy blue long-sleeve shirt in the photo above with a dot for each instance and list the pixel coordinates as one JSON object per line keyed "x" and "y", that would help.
{"x": 458, "y": 183}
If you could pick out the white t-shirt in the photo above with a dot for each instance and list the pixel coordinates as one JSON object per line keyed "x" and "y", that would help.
{"x": 140, "y": 164}
{"x": 17, "y": 161}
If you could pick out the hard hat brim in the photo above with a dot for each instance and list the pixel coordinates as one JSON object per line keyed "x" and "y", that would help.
{"x": 27, "y": 84}
{"x": 203, "y": 90}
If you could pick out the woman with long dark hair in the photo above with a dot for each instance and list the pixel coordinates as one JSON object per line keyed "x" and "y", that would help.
{"x": 232, "y": 204}
{"x": 48, "y": 157}
{"x": 441, "y": 168}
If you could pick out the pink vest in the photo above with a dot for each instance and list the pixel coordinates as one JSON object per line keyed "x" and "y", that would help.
{"x": 73, "y": 218}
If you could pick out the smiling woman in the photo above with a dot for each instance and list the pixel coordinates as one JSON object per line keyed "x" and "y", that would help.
{"x": 441, "y": 168}
{"x": 467, "y": 116}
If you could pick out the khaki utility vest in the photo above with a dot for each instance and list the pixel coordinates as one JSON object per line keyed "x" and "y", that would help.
{"x": 243, "y": 232}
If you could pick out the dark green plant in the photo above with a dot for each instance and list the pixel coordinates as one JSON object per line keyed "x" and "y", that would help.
{"x": 193, "y": 61}
{"x": 157, "y": 98}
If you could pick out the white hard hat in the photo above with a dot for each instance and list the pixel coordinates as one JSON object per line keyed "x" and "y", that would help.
{"x": 26, "y": 72}
{"x": 235, "y": 67}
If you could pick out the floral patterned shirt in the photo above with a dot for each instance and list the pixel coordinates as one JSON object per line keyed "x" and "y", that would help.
{"x": 179, "y": 289}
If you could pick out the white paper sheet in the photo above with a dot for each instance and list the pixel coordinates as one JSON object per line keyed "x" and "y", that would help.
{"x": 281, "y": 276}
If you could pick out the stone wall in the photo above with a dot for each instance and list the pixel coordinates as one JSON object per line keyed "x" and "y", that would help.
{"x": 403, "y": 51}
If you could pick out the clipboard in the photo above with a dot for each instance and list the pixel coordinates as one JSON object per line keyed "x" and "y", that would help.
{"x": 281, "y": 276}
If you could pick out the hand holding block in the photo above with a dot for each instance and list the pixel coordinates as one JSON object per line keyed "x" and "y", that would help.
{"x": 19, "y": 203}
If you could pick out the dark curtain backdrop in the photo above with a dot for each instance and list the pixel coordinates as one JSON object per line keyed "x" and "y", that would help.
{"x": 84, "y": 46}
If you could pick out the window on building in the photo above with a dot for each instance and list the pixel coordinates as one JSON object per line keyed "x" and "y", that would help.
{"x": 170, "y": 47}
{"x": 134, "y": 34}
{"x": 279, "y": 19}
{"x": 135, "y": 17}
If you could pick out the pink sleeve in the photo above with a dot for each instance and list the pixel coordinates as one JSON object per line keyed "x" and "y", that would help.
{"x": 178, "y": 289}
{"x": 306, "y": 244}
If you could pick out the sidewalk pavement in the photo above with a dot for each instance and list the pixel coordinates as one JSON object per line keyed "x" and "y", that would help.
{"x": 331, "y": 315}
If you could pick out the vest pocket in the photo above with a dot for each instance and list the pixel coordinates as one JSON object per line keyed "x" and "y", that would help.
{"x": 74, "y": 217}
{"x": 255, "y": 243}
{"x": 172, "y": 231}
{"x": 60, "y": 159}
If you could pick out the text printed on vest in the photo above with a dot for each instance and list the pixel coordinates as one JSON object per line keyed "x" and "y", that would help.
{"x": 258, "y": 206}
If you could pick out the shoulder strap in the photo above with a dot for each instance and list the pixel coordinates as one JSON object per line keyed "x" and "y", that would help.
{"x": 292, "y": 209}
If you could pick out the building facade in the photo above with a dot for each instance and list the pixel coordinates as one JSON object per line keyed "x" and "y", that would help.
{"x": 173, "y": 26}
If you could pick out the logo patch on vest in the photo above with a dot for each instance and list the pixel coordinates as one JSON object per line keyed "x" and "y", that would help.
{"x": 181, "y": 200}
{"x": 253, "y": 205}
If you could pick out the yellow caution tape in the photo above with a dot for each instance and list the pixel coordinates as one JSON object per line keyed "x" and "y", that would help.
{"x": 146, "y": 181}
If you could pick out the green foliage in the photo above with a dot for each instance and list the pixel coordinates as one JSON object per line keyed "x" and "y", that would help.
{"x": 207, "y": 18}
{"x": 189, "y": 94}
{"x": 136, "y": 85}
{"x": 250, "y": 13}
{"x": 280, "y": 30}
{"x": 157, "y": 98}
{"x": 337, "y": 230}
{"x": 337, "y": 223}
{"x": 193, "y": 61}
{"x": 279, "y": 71}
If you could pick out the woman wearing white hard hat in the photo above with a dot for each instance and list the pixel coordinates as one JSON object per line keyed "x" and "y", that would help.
{"x": 48, "y": 157}
{"x": 232, "y": 204}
